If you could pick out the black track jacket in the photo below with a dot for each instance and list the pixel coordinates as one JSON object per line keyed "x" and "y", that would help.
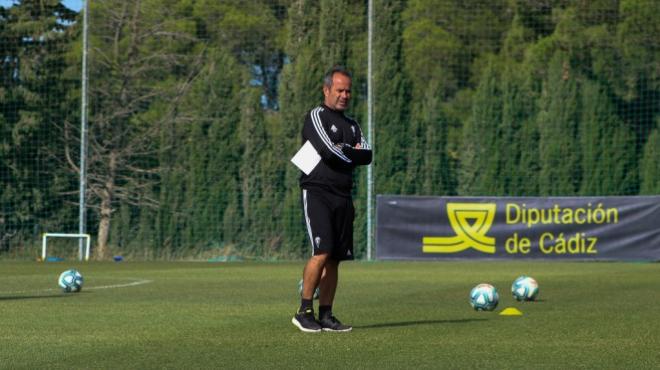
{"x": 334, "y": 137}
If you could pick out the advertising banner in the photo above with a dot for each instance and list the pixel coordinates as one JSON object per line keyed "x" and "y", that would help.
{"x": 570, "y": 228}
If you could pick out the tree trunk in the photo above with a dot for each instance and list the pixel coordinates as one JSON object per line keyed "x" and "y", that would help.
{"x": 104, "y": 228}
{"x": 106, "y": 194}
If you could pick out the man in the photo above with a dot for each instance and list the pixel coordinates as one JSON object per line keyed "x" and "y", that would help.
{"x": 327, "y": 202}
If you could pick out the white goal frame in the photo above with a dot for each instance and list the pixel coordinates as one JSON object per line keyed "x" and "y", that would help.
{"x": 44, "y": 243}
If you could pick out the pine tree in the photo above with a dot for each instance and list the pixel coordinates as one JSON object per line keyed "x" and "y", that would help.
{"x": 252, "y": 175}
{"x": 300, "y": 91}
{"x": 482, "y": 138}
{"x": 558, "y": 118}
{"x": 427, "y": 169}
{"x": 608, "y": 163}
{"x": 36, "y": 37}
{"x": 213, "y": 150}
{"x": 391, "y": 100}
{"x": 650, "y": 163}
{"x": 519, "y": 146}
{"x": 639, "y": 71}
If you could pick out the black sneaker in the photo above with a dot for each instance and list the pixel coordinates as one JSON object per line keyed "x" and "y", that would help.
{"x": 330, "y": 323}
{"x": 306, "y": 322}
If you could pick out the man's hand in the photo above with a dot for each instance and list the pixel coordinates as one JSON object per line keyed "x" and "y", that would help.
{"x": 357, "y": 154}
{"x": 339, "y": 145}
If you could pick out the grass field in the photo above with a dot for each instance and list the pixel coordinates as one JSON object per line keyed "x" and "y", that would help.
{"x": 405, "y": 315}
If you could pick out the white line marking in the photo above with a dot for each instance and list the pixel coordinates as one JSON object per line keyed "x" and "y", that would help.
{"x": 125, "y": 285}
{"x": 135, "y": 283}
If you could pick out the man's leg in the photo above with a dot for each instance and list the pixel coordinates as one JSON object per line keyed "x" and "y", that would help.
{"x": 312, "y": 275}
{"x": 328, "y": 288}
{"x": 304, "y": 319}
{"x": 328, "y": 285}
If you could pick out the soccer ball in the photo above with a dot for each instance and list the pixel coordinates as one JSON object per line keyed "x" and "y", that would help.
{"x": 525, "y": 288}
{"x": 70, "y": 281}
{"x": 484, "y": 297}
{"x": 300, "y": 289}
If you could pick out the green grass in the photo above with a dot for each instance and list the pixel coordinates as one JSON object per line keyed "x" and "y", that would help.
{"x": 405, "y": 315}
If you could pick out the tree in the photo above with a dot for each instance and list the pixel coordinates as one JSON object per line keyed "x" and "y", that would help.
{"x": 650, "y": 164}
{"x": 608, "y": 162}
{"x": 300, "y": 90}
{"x": 558, "y": 119}
{"x": 33, "y": 87}
{"x": 252, "y": 31}
{"x": 639, "y": 48}
{"x": 435, "y": 172}
{"x": 132, "y": 47}
{"x": 482, "y": 138}
{"x": 254, "y": 177}
{"x": 391, "y": 100}
{"x": 199, "y": 188}
{"x": 443, "y": 38}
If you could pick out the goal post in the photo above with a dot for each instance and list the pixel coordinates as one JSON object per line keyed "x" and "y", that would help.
{"x": 44, "y": 244}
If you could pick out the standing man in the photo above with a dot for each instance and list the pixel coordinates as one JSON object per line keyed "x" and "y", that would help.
{"x": 327, "y": 202}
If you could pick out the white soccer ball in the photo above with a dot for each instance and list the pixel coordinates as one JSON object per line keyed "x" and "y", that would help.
{"x": 525, "y": 288}
{"x": 70, "y": 281}
{"x": 300, "y": 289}
{"x": 484, "y": 297}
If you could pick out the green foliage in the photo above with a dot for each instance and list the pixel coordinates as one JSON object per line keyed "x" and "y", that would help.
{"x": 252, "y": 31}
{"x": 196, "y": 107}
{"x": 650, "y": 166}
{"x": 638, "y": 47}
{"x": 558, "y": 121}
{"x": 606, "y": 168}
{"x": 35, "y": 39}
{"x": 482, "y": 141}
{"x": 390, "y": 101}
{"x": 519, "y": 157}
{"x": 443, "y": 38}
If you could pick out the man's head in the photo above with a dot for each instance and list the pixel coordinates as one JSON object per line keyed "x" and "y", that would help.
{"x": 337, "y": 88}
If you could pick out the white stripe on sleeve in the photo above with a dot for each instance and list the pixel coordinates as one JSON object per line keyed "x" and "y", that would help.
{"x": 363, "y": 141}
{"x": 316, "y": 120}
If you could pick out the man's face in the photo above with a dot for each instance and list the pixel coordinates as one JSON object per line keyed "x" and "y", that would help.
{"x": 338, "y": 95}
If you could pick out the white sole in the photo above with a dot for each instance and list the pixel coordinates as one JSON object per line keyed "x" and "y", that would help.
{"x": 297, "y": 324}
{"x": 336, "y": 331}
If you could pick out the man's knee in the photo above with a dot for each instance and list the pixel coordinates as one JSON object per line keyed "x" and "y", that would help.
{"x": 321, "y": 258}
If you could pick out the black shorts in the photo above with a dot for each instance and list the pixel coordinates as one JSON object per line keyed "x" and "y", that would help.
{"x": 329, "y": 223}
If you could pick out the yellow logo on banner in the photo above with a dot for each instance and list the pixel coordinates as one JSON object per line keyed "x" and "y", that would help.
{"x": 468, "y": 234}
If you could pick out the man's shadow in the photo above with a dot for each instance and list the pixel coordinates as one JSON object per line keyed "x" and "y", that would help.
{"x": 416, "y": 322}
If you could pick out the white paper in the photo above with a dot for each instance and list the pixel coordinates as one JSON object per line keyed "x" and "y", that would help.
{"x": 306, "y": 158}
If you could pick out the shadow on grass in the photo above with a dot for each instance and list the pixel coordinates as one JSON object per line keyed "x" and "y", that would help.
{"x": 416, "y": 322}
{"x": 20, "y": 297}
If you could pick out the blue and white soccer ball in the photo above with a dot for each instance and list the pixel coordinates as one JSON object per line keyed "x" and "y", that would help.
{"x": 525, "y": 288}
{"x": 70, "y": 281}
{"x": 484, "y": 297}
{"x": 300, "y": 289}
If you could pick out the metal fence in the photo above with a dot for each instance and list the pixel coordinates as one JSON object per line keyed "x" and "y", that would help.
{"x": 164, "y": 129}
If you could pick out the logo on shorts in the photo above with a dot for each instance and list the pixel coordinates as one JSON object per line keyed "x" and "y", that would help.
{"x": 317, "y": 240}
{"x": 333, "y": 128}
